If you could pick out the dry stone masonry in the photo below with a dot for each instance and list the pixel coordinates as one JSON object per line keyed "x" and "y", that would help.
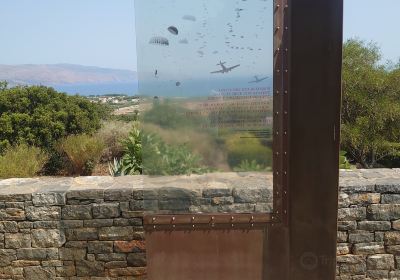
{"x": 92, "y": 227}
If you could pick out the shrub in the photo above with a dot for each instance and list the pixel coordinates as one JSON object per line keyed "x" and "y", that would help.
{"x": 22, "y": 161}
{"x": 112, "y": 133}
{"x": 82, "y": 151}
{"x": 40, "y": 116}
{"x": 242, "y": 147}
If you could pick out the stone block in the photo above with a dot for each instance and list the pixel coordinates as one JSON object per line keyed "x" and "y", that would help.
{"x": 217, "y": 192}
{"x": 100, "y": 247}
{"x": 81, "y": 234}
{"x": 352, "y": 214}
{"x": 347, "y": 225}
{"x": 43, "y": 213}
{"x": 97, "y": 223}
{"x": 8, "y": 226}
{"x": 90, "y": 268}
{"x": 364, "y": 198}
{"x": 47, "y": 238}
{"x": 48, "y": 199}
{"x": 116, "y": 233}
{"x": 252, "y": 195}
{"x": 392, "y": 238}
{"x": 118, "y": 194}
{"x": 39, "y": 273}
{"x": 380, "y": 262}
{"x": 369, "y": 248}
{"x": 72, "y": 254}
{"x": 106, "y": 210}
{"x": 377, "y": 274}
{"x": 374, "y": 225}
{"x": 12, "y": 214}
{"x": 134, "y": 246}
{"x": 383, "y": 212}
{"x": 136, "y": 259}
{"x": 361, "y": 236}
{"x": 342, "y": 236}
{"x": 17, "y": 240}
{"x": 77, "y": 212}
{"x": 342, "y": 249}
{"x": 7, "y": 256}
{"x": 39, "y": 254}
{"x": 111, "y": 257}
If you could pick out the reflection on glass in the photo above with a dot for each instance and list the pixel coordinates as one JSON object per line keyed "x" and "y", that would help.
{"x": 205, "y": 79}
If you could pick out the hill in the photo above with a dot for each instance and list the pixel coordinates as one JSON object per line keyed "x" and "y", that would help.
{"x": 63, "y": 74}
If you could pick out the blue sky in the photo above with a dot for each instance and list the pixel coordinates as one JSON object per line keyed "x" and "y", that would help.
{"x": 101, "y": 32}
{"x": 375, "y": 20}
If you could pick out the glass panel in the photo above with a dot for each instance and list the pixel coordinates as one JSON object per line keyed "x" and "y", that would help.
{"x": 205, "y": 79}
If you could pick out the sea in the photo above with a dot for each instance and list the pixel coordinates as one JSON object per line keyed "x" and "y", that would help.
{"x": 99, "y": 89}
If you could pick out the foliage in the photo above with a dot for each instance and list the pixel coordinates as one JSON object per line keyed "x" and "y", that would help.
{"x": 243, "y": 147}
{"x": 167, "y": 114}
{"x": 131, "y": 162}
{"x": 113, "y": 133}
{"x": 371, "y": 105}
{"x": 22, "y": 161}
{"x": 40, "y": 116}
{"x": 163, "y": 159}
{"x": 3, "y": 85}
{"x": 82, "y": 151}
{"x": 246, "y": 166}
{"x": 343, "y": 161}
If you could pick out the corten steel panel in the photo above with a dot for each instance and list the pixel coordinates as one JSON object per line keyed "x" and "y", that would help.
{"x": 205, "y": 254}
{"x": 314, "y": 87}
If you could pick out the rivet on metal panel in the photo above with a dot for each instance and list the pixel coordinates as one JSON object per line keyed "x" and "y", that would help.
{"x": 277, "y": 133}
{"x": 154, "y": 218}
{"x": 232, "y": 218}
{"x": 285, "y": 192}
{"x": 285, "y": 132}
{"x": 277, "y": 153}
{"x": 286, "y": 6}
{"x": 286, "y": 28}
{"x": 277, "y": 91}
{"x": 277, "y": 70}
{"x": 285, "y": 153}
{"x": 173, "y": 218}
{"x": 286, "y": 91}
{"x": 154, "y": 227}
{"x": 286, "y": 70}
{"x": 286, "y": 112}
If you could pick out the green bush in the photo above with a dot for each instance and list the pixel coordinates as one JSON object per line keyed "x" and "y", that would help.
{"x": 83, "y": 153}
{"x": 40, "y": 116}
{"x": 242, "y": 147}
{"x": 131, "y": 161}
{"x": 343, "y": 161}
{"x": 22, "y": 161}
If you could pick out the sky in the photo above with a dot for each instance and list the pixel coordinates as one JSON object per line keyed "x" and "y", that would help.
{"x": 102, "y": 32}
{"x": 87, "y": 32}
{"x": 374, "y": 20}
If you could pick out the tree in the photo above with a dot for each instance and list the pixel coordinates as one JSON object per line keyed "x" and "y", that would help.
{"x": 371, "y": 105}
{"x": 40, "y": 116}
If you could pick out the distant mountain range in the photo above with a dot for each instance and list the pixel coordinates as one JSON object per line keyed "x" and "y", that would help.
{"x": 64, "y": 75}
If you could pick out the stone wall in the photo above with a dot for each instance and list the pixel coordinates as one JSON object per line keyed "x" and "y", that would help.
{"x": 92, "y": 227}
{"x": 369, "y": 225}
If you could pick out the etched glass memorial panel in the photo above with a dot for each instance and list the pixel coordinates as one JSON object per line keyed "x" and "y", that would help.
{"x": 205, "y": 70}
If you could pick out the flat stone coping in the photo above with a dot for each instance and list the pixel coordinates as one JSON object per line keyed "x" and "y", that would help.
{"x": 256, "y": 180}
{"x": 107, "y": 183}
